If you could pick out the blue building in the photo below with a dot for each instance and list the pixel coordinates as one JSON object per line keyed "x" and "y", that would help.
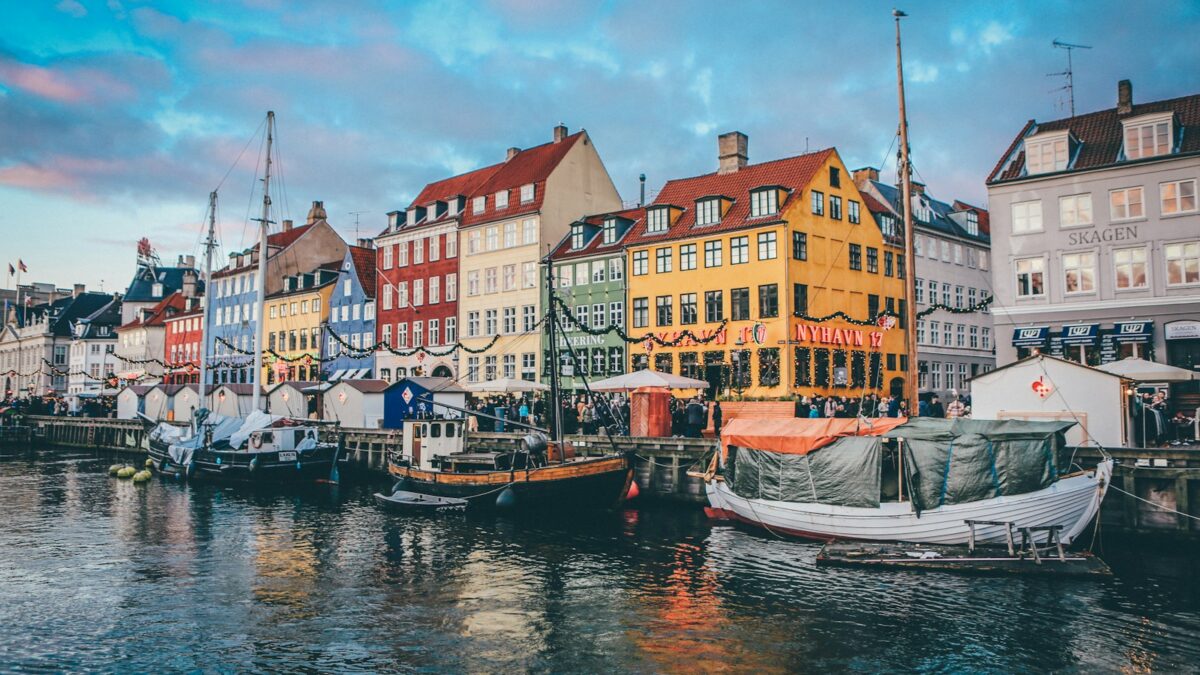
{"x": 234, "y": 320}
{"x": 352, "y": 316}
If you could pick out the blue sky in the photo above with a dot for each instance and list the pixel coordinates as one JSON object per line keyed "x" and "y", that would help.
{"x": 118, "y": 117}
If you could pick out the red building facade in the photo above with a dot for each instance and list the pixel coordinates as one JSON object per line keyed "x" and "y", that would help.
{"x": 182, "y": 347}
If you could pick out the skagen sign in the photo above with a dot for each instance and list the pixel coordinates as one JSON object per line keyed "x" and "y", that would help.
{"x": 1122, "y": 233}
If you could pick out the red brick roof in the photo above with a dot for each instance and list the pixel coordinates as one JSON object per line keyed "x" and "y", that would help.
{"x": 596, "y": 244}
{"x": 1100, "y": 136}
{"x": 874, "y": 205}
{"x": 364, "y": 265}
{"x": 169, "y": 306}
{"x": 463, "y": 184}
{"x": 792, "y": 173}
{"x": 985, "y": 219}
{"x": 528, "y": 166}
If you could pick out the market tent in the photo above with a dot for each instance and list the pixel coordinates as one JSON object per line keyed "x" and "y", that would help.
{"x": 506, "y": 385}
{"x": 799, "y": 436}
{"x": 1141, "y": 370}
{"x": 131, "y": 401}
{"x": 289, "y": 399}
{"x": 647, "y": 378}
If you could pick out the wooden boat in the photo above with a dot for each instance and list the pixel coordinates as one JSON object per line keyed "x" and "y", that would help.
{"x": 416, "y": 502}
{"x": 432, "y": 460}
{"x": 978, "y": 560}
{"x": 1069, "y": 502}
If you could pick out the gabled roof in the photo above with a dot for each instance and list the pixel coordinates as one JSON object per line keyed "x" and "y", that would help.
{"x": 156, "y": 315}
{"x": 280, "y": 240}
{"x": 533, "y": 165}
{"x": 596, "y": 244}
{"x": 108, "y": 316}
{"x": 142, "y": 287}
{"x": 1100, "y": 137}
{"x": 792, "y": 173}
{"x": 441, "y": 385}
{"x": 363, "y": 260}
{"x": 365, "y": 386}
{"x": 940, "y": 211}
{"x": 63, "y": 312}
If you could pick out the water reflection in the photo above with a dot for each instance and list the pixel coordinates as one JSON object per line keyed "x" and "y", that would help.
{"x": 165, "y": 576}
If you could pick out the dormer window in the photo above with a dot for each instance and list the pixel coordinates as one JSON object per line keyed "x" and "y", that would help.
{"x": 1148, "y": 136}
{"x": 527, "y": 193}
{"x": 502, "y": 199}
{"x": 610, "y": 230}
{"x": 1046, "y": 153}
{"x": 764, "y": 202}
{"x": 393, "y": 217}
{"x": 453, "y": 206}
{"x": 656, "y": 220}
{"x": 413, "y": 216}
{"x": 156, "y": 290}
{"x": 708, "y": 211}
{"x": 972, "y": 223}
{"x": 577, "y": 240}
{"x": 478, "y": 205}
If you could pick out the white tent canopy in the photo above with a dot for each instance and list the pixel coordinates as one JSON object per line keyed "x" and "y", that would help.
{"x": 506, "y": 385}
{"x": 1141, "y": 370}
{"x": 647, "y": 378}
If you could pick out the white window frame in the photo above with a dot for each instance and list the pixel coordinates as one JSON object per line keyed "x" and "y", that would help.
{"x": 501, "y": 199}
{"x": 1024, "y": 214}
{"x": 1162, "y": 130}
{"x": 1131, "y": 263}
{"x": 527, "y": 193}
{"x": 657, "y": 220}
{"x": 1176, "y": 205}
{"x": 1071, "y": 210}
{"x": 1067, "y": 265}
{"x": 764, "y": 202}
{"x": 1183, "y": 257}
{"x": 1041, "y": 264}
{"x": 478, "y": 205}
{"x": 708, "y": 211}
{"x": 1126, "y": 213}
{"x": 1047, "y": 153}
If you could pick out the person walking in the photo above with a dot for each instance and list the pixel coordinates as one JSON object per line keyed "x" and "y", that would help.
{"x": 717, "y": 418}
{"x": 694, "y": 418}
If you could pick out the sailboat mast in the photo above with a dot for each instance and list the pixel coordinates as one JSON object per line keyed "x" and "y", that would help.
{"x": 264, "y": 224}
{"x": 209, "y": 243}
{"x": 910, "y": 276}
{"x": 554, "y": 406}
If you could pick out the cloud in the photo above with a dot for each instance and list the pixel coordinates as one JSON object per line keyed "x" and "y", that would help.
{"x": 922, "y": 73}
{"x": 72, "y": 7}
{"x": 42, "y": 82}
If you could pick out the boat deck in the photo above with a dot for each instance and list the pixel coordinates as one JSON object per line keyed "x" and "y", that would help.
{"x": 983, "y": 560}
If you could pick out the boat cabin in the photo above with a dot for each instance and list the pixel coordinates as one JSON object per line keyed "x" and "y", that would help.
{"x": 428, "y": 442}
{"x": 283, "y": 439}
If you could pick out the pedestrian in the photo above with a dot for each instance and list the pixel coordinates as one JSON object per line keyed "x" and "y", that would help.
{"x": 694, "y": 418}
{"x": 717, "y": 417}
{"x": 956, "y": 408}
{"x": 813, "y": 413}
{"x": 936, "y": 409}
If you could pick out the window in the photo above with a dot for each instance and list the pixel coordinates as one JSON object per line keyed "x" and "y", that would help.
{"x": 474, "y": 240}
{"x": 581, "y": 274}
{"x": 641, "y": 312}
{"x": 663, "y": 305}
{"x": 972, "y": 223}
{"x": 958, "y": 254}
{"x": 529, "y": 230}
{"x": 478, "y": 204}
{"x": 1075, "y": 210}
{"x": 835, "y": 177}
{"x": 489, "y": 368}
{"x": 452, "y": 287}
{"x": 934, "y": 336}
{"x": 451, "y": 330}
{"x": 766, "y": 246}
{"x": 1183, "y": 263}
{"x": 510, "y": 366}
{"x": 489, "y": 280}
{"x": 872, "y": 306}
{"x": 452, "y": 245}
{"x": 435, "y": 288}
{"x": 472, "y": 283}
{"x": 835, "y": 207}
{"x": 656, "y": 220}
{"x": 872, "y": 260}
{"x": 946, "y": 294}
{"x": 974, "y": 337}
{"x": 510, "y": 320}
{"x": 609, "y": 230}
{"x": 947, "y": 333}
{"x": 616, "y": 269}
{"x": 435, "y": 247}
{"x": 501, "y": 200}
{"x": 489, "y": 321}
{"x": 768, "y": 301}
{"x": 687, "y": 309}
{"x": 273, "y": 311}
{"x": 852, "y": 212}
{"x": 889, "y": 260}
{"x": 528, "y": 366}
{"x": 1079, "y": 272}
{"x": 418, "y": 251}
{"x": 565, "y": 276}
{"x": 581, "y": 315}
{"x": 528, "y": 318}
{"x": 1026, "y": 217}
{"x": 958, "y": 297}
{"x": 945, "y": 251}
{"x": 800, "y": 246}
{"x": 387, "y": 299}
{"x": 739, "y": 250}
{"x": 764, "y": 202}
{"x": 387, "y": 257}
{"x": 818, "y": 203}
{"x": 1030, "y": 277}
{"x": 662, "y": 260}
{"x": 510, "y": 277}
{"x": 1126, "y": 203}
{"x": 1147, "y": 140}
{"x": 921, "y": 331}
{"x": 960, "y": 335}
{"x": 739, "y": 304}
{"x": 418, "y": 296}
{"x": 641, "y": 263}
{"x": 712, "y": 253}
{"x": 616, "y": 313}
{"x": 855, "y": 256}
{"x": 434, "y": 332}
{"x": 986, "y": 337}
{"x": 1178, "y": 197}
{"x": 472, "y": 368}
{"x": 510, "y": 235}
{"x": 1046, "y": 155}
{"x": 402, "y": 334}
{"x": 598, "y": 318}
{"x": 491, "y": 237}
{"x": 577, "y": 240}
{"x": 1130, "y": 265}
{"x": 708, "y": 211}
{"x": 714, "y": 307}
{"x": 800, "y": 299}
{"x": 687, "y": 257}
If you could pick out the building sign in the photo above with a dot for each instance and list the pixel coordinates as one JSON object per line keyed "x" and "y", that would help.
{"x": 671, "y": 336}
{"x": 1030, "y": 337}
{"x": 582, "y": 341}
{"x": 826, "y": 335}
{"x": 1085, "y": 237}
{"x": 1127, "y": 332}
{"x": 1042, "y": 388}
{"x": 1182, "y": 330}
{"x": 1080, "y": 335}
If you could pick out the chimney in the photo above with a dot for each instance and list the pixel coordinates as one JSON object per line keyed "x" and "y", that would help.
{"x": 917, "y": 188}
{"x": 731, "y": 151}
{"x": 865, "y": 174}
{"x": 1124, "y": 97}
{"x": 560, "y": 132}
{"x": 317, "y": 212}
{"x": 512, "y": 152}
{"x": 287, "y": 225}
{"x": 642, "y": 189}
{"x": 78, "y": 290}
{"x": 189, "y": 285}
{"x": 189, "y": 261}
{"x": 364, "y": 242}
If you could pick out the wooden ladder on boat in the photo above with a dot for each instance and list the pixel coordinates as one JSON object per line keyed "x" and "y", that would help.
{"x": 1029, "y": 545}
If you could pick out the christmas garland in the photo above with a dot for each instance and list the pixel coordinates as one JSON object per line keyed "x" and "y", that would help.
{"x": 684, "y": 336}
{"x": 383, "y": 345}
{"x": 938, "y": 307}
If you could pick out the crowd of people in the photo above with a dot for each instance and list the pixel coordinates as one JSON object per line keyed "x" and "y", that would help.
{"x": 104, "y": 406}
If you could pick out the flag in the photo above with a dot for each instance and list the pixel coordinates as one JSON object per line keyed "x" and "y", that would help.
{"x": 21, "y": 265}
{"x": 11, "y": 270}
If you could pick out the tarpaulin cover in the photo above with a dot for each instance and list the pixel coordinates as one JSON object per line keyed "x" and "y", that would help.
{"x": 844, "y": 473}
{"x": 797, "y": 436}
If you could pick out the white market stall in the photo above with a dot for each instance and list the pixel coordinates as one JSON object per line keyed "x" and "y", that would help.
{"x": 130, "y": 401}
{"x": 232, "y": 400}
{"x": 1045, "y": 388}
{"x": 185, "y": 402}
{"x": 289, "y": 399}
{"x": 355, "y": 403}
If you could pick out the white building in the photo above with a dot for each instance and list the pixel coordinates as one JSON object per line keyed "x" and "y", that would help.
{"x": 35, "y": 344}
{"x": 91, "y": 359}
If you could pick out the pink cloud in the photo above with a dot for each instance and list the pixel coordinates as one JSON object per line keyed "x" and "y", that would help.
{"x": 40, "y": 81}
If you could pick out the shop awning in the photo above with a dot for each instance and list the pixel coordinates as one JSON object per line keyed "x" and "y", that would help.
{"x": 798, "y": 436}
{"x": 1031, "y": 337}
{"x": 1127, "y": 332}
{"x": 1084, "y": 334}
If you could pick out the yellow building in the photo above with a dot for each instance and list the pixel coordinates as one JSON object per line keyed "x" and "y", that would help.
{"x": 747, "y": 259}
{"x": 296, "y": 317}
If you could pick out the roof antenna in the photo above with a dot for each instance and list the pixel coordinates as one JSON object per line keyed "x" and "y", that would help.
{"x": 1069, "y": 73}
{"x": 356, "y": 215}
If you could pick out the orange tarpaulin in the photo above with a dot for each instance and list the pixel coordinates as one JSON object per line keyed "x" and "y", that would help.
{"x": 798, "y": 436}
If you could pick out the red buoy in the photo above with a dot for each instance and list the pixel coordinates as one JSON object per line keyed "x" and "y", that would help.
{"x": 633, "y": 491}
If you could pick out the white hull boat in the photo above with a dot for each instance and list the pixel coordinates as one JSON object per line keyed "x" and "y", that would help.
{"x": 1071, "y": 502}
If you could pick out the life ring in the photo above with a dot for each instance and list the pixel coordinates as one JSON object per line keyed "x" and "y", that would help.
{"x": 256, "y": 441}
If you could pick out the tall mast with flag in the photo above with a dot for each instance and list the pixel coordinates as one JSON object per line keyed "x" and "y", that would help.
{"x": 905, "y": 168}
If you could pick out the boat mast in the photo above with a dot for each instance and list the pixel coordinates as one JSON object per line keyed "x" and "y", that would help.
{"x": 553, "y": 405}
{"x": 264, "y": 224}
{"x": 209, "y": 243}
{"x": 910, "y": 276}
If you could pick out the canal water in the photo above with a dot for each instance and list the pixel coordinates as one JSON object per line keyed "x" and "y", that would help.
{"x": 98, "y": 574}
